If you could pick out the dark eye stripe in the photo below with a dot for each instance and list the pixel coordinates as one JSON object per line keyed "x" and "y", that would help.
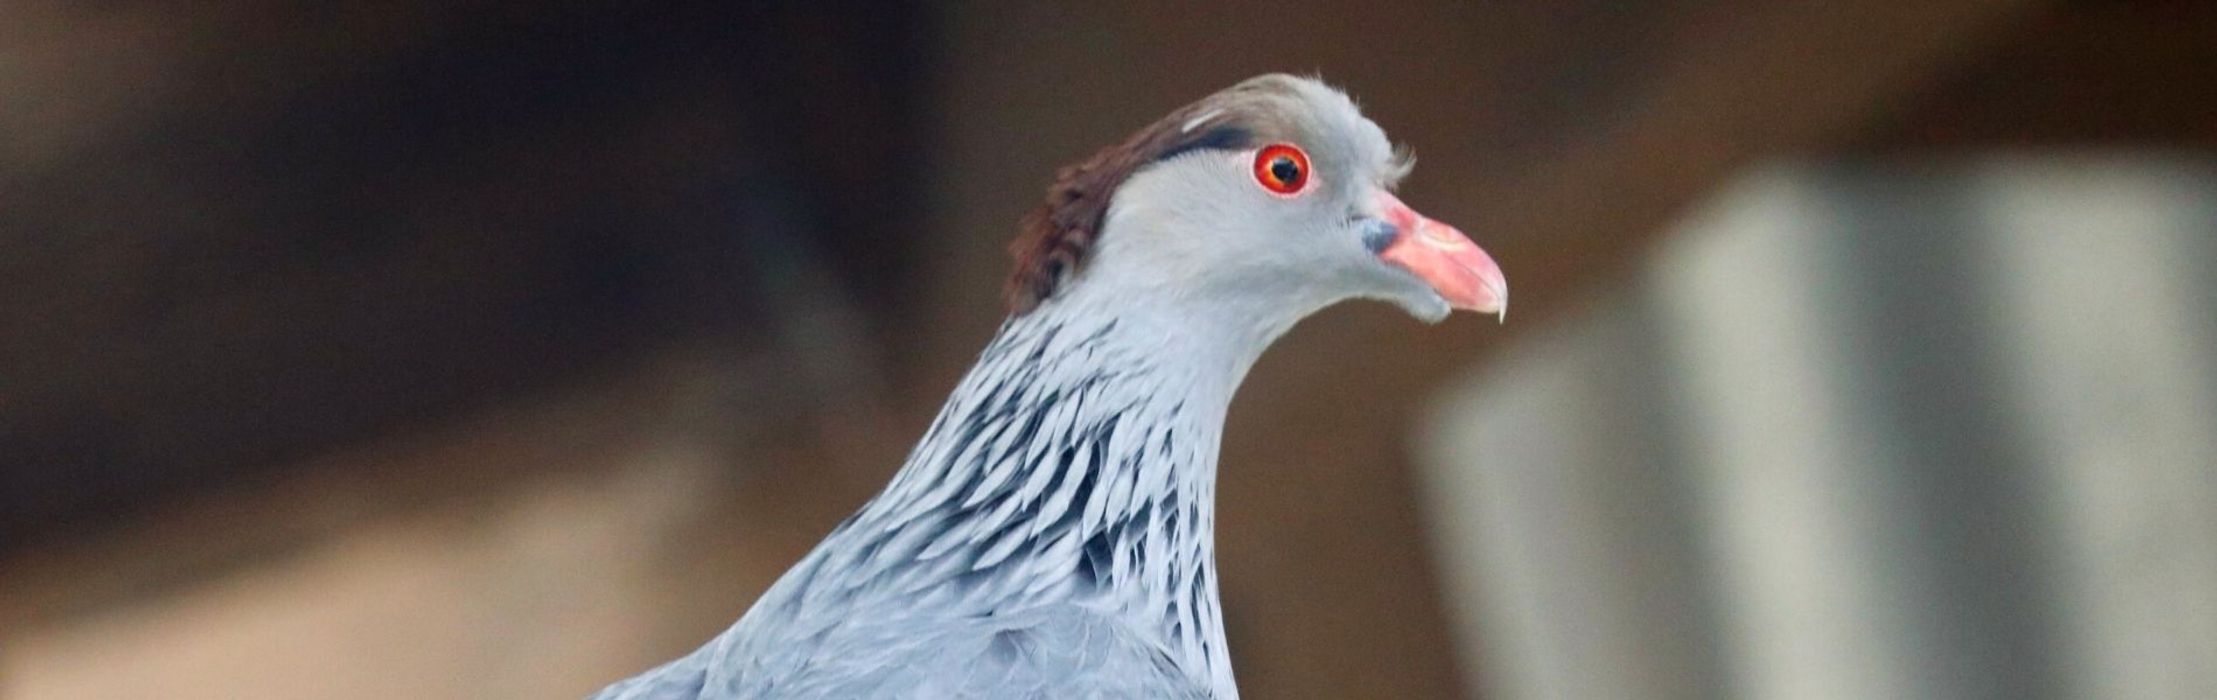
{"x": 1221, "y": 138}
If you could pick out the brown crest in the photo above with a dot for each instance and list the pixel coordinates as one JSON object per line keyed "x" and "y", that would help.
{"x": 1055, "y": 239}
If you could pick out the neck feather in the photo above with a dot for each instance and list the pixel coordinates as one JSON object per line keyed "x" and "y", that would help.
{"x": 1075, "y": 463}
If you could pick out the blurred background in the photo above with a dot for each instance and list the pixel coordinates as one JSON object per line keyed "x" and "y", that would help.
{"x": 465, "y": 350}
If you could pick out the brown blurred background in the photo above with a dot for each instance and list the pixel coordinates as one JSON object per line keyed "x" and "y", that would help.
{"x": 462, "y": 349}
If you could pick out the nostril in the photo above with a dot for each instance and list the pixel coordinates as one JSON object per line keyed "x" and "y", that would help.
{"x": 1378, "y": 234}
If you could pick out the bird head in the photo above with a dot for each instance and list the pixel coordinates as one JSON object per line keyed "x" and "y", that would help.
{"x": 1273, "y": 198}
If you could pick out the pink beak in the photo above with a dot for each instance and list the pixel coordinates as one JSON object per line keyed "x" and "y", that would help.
{"x": 1443, "y": 257}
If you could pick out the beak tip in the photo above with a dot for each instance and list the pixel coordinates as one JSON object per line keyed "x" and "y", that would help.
{"x": 1492, "y": 297}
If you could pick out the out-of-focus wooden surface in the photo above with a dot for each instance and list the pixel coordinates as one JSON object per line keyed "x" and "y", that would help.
{"x": 540, "y": 433}
{"x": 235, "y": 234}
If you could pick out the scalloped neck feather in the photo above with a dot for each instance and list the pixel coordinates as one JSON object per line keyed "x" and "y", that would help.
{"x": 1075, "y": 463}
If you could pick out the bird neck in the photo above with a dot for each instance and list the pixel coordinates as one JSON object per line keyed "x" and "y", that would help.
{"x": 1075, "y": 463}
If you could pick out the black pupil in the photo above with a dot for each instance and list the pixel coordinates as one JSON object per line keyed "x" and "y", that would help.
{"x": 1284, "y": 169}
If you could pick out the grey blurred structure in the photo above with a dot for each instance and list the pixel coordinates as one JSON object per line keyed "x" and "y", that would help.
{"x": 1869, "y": 429}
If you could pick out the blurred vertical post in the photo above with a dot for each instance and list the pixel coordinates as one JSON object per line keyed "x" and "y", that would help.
{"x": 1864, "y": 431}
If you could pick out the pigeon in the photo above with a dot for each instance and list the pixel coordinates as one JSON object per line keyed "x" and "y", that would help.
{"x": 1052, "y": 534}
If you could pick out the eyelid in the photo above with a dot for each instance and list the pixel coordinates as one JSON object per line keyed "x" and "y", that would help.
{"x": 1265, "y": 165}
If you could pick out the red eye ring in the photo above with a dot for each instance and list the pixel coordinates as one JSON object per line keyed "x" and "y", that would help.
{"x": 1282, "y": 168}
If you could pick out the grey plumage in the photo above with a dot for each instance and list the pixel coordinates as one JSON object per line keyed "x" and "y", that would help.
{"x": 1051, "y": 536}
{"x": 1052, "y": 503}
{"x": 1058, "y": 651}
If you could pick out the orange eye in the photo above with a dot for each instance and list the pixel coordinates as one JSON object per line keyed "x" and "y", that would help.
{"x": 1282, "y": 168}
